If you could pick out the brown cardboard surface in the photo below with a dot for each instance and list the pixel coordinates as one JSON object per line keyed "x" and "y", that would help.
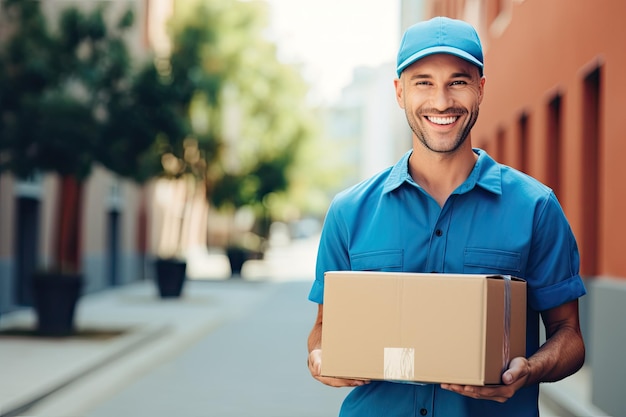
{"x": 420, "y": 327}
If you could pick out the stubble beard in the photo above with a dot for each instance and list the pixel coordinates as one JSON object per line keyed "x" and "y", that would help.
{"x": 430, "y": 144}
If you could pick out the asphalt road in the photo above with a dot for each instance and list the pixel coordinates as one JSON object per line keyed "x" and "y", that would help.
{"x": 252, "y": 365}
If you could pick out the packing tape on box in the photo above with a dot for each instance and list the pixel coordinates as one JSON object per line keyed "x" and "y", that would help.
{"x": 399, "y": 366}
{"x": 399, "y": 363}
{"x": 506, "y": 343}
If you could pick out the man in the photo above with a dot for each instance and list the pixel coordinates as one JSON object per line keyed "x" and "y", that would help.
{"x": 448, "y": 208}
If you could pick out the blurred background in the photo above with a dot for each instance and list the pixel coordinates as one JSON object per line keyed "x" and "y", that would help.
{"x": 143, "y": 140}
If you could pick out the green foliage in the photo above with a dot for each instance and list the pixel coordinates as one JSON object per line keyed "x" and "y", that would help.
{"x": 258, "y": 112}
{"x": 64, "y": 93}
{"x": 242, "y": 109}
{"x": 220, "y": 107}
{"x": 61, "y": 117}
{"x": 148, "y": 124}
{"x": 162, "y": 101}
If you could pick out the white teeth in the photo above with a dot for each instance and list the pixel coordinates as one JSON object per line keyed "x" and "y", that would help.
{"x": 442, "y": 120}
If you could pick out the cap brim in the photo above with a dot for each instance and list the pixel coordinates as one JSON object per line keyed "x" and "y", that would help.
{"x": 438, "y": 50}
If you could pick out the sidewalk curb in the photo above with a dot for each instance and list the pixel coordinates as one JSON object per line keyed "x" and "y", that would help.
{"x": 97, "y": 386}
{"x": 126, "y": 344}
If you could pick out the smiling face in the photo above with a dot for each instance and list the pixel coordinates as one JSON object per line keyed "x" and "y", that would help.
{"x": 440, "y": 95}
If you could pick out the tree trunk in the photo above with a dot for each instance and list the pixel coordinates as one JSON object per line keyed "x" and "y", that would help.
{"x": 68, "y": 234}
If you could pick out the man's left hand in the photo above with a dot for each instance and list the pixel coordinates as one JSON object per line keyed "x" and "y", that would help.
{"x": 513, "y": 379}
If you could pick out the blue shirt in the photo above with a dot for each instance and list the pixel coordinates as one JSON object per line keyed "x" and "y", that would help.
{"x": 498, "y": 221}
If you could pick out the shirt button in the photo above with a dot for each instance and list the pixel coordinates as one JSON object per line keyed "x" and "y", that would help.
{"x": 438, "y": 232}
{"x": 423, "y": 411}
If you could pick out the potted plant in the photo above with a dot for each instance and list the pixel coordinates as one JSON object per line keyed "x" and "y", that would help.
{"x": 177, "y": 94}
{"x": 244, "y": 120}
{"x": 182, "y": 189}
{"x": 245, "y": 196}
{"x": 60, "y": 90}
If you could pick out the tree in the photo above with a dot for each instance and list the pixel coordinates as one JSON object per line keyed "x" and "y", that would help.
{"x": 64, "y": 94}
{"x": 168, "y": 93}
{"x": 257, "y": 111}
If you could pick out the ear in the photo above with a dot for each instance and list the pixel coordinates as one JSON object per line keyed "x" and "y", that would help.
{"x": 481, "y": 89}
{"x": 399, "y": 92}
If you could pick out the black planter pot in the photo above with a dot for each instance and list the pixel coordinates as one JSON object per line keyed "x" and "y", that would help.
{"x": 237, "y": 256}
{"x": 55, "y": 296}
{"x": 170, "y": 277}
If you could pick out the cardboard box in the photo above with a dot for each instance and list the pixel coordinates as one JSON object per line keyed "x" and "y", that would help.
{"x": 431, "y": 328}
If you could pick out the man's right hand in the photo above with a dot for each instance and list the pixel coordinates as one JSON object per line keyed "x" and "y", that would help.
{"x": 315, "y": 367}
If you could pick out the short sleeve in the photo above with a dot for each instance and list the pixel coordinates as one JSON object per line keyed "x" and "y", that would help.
{"x": 554, "y": 262}
{"x": 332, "y": 254}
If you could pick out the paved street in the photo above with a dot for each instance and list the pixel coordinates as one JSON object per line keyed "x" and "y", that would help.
{"x": 253, "y": 365}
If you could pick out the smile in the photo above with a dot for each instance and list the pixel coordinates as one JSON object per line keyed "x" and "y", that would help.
{"x": 442, "y": 120}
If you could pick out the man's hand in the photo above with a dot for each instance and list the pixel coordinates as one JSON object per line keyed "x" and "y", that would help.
{"x": 513, "y": 378}
{"x": 315, "y": 367}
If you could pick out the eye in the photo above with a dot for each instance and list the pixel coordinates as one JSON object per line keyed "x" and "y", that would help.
{"x": 458, "y": 82}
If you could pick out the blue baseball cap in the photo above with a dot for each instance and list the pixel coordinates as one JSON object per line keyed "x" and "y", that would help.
{"x": 440, "y": 35}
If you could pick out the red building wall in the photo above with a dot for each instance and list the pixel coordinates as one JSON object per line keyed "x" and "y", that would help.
{"x": 536, "y": 51}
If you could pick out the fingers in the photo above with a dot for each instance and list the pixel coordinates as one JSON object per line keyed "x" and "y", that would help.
{"x": 499, "y": 393}
{"x": 518, "y": 370}
{"x": 314, "y": 363}
{"x": 513, "y": 379}
{"x": 341, "y": 382}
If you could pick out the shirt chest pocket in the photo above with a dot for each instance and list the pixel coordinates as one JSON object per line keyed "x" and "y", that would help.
{"x": 491, "y": 261}
{"x": 390, "y": 260}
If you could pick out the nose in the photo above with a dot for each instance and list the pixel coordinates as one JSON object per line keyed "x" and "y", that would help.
{"x": 442, "y": 99}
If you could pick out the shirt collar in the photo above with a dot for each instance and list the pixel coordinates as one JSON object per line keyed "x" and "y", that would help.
{"x": 486, "y": 174}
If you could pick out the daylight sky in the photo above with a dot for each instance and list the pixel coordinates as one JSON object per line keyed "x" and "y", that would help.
{"x": 332, "y": 37}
